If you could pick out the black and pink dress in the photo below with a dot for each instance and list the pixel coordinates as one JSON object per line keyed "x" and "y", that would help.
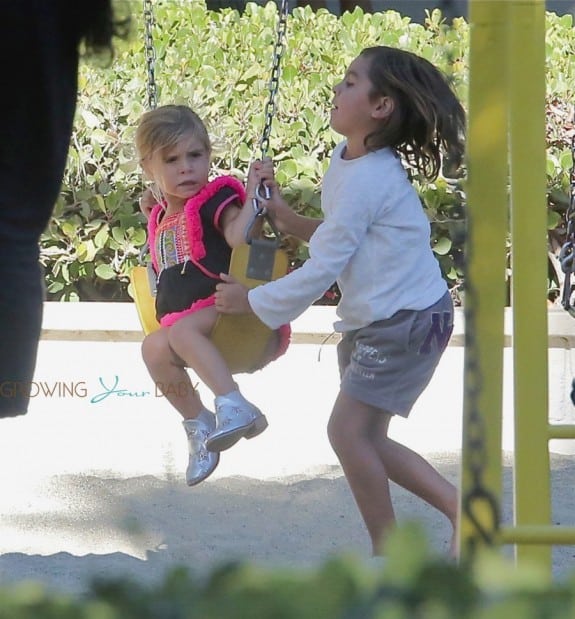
{"x": 189, "y": 251}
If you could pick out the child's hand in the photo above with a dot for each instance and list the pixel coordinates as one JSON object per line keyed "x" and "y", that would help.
{"x": 261, "y": 173}
{"x": 284, "y": 218}
{"x": 147, "y": 202}
{"x": 279, "y": 210}
{"x": 231, "y": 297}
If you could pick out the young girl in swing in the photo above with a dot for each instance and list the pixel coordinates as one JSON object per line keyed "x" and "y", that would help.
{"x": 395, "y": 312}
{"x": 191, "y": 231}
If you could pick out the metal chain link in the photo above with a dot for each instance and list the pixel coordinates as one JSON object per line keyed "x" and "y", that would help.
{"x": 567, "y": 253}
{"x": 152, "y": 92}
{"x": 270, "y": 108}
{"x": 150, "y": 54}
{"x": 478, "y": 498}
{"x": 572, "y": 180}
{"x": 269, "y": 113}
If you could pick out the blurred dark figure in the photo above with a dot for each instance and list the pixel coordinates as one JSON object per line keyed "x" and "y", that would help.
{"x": 41, "y": 43}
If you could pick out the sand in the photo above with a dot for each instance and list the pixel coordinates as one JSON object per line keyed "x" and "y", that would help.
{"x": 95, "y": 487}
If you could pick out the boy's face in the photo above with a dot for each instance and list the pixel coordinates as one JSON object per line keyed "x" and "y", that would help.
{"x": 355, "y": 113}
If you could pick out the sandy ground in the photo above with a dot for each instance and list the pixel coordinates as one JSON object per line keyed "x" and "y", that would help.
{"x": 92, "y": 479}
{"x": 67, "y": 529}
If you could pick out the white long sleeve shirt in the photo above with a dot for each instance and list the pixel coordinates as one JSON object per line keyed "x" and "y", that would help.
{"x": 374, "y": 241}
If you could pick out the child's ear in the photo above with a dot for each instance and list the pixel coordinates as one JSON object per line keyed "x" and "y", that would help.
{"x": 145, "y": 165}
{"x": 383, "y": 107}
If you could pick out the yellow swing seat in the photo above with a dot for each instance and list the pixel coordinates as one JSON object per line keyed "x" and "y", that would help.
{"x": 241, "y": 338}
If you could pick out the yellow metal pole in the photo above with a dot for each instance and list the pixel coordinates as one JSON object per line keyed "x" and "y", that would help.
{"x": 529, "y": 268}
{"x": 487, "y": 152}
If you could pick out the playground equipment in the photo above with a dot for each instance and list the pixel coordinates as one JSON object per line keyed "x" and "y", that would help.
{"x": 507, "y": 195}
{"x": 242, "y": 339}
{"x": 507, "y": 185}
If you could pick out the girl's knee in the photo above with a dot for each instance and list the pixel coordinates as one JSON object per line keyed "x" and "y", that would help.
{"x": 190, "y": 330}
{"x": 155, "y": 349}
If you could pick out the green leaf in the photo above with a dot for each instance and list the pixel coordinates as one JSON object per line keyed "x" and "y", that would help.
{"x": 55, "y": 286}
{"x": 118, "y": 234}
{"x": 105, "y": 271}
{"x": 69, "y": 229}
{"x": 287, "y": 170}
{"x": 251, "y": 73}
{"x": 101, "y": 237}
{"x": 139, "y": 236}
{"x": 442, "y": 246}
{"x": 90, "y": 118}
{"x": 566, "y": 160}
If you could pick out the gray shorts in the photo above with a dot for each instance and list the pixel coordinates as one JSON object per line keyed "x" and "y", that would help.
{"x": 388, "y": 363}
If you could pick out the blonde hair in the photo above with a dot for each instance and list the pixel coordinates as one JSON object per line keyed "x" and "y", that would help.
{"x": 162, "y": 128}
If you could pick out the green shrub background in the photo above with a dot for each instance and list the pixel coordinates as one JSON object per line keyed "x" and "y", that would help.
{"x": 220, "y": 63}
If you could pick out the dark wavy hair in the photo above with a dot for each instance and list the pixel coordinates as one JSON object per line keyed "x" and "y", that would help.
{"x": 427, "y": 119}
{"x": 98, "y": 22}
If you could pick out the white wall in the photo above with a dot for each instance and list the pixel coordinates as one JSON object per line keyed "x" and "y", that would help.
{"x": 133, "y": 431}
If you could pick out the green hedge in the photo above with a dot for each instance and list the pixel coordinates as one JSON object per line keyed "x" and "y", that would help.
{"x": 219, "y": 62}
{"x": 412, "y": 584}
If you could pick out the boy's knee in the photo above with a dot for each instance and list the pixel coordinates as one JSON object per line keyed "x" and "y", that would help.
{"x": 335, "y": 436}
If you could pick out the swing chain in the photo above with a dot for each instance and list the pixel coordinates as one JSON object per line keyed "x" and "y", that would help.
{"x": 567, "y": 253}
{"x": 263, "y": 192}
{"x": 270, "y": 108}
{"x": 478, "y": 501}
{"x": 150, "y": 54}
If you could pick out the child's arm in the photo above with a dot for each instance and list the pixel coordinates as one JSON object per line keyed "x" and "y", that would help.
{"x": 235, "y": 220}
{"x": 286, "y": 220}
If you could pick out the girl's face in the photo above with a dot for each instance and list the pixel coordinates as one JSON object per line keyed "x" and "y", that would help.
{"x": 354, "y": 114}
{"x": 181, "y": 171}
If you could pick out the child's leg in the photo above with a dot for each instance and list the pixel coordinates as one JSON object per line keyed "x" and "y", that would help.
{"x": 369, "y": 458}
{"x": 170, "y": 376}
{"x": 190, "y": 339}
{"x": 235, "y": 416}
{"x": 412, "y": 472}
{"x": 350, "y": 433}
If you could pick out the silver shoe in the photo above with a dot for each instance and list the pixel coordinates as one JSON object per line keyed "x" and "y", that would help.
{"x": 202, "y": 463}
{"x": 235, "y": 419}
